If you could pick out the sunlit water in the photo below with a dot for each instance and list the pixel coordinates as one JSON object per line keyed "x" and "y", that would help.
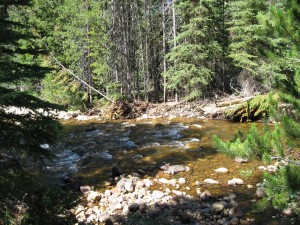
{"x": 87, "y": 151}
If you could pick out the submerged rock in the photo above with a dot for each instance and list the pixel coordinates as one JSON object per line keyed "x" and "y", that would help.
{"x": 241, "y": 160}
{"x": 235, "y": 181}
{"x": 174, "y": 168}
{"x": 221, "y": 170}
{"x": 210, "y": 181}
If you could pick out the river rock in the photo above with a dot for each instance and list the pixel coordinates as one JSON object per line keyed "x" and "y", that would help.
{"x": 287, "y": 212}
{"x": 92, "y": 196}
{"x": 235, "y": 212}
{"x": 260, "y": 193}
{"x": 235, "y": 221}
{"x": 133, "y": 207}
{"x": 116, "y": 171}
{"x": 235, "y": 181}
{"x": 85, "y": 188}
{"x": 167, "y": 168}
{"x": 157, "y": 194}
{"x": 210, "y": 181}
{"x": 221, "y": 170}
{"x": 142, "y": 207}
{"x": 205, "y": 195}
{"x": 176, "y": 192}
{"x": 181, "y": 180}
{"x": 166, "y": 181}
{"x": 241, "y": 160}
{"x": 216, "y": 208}
{"x": 104, "y": 217}
{"x": 129, "y": 186}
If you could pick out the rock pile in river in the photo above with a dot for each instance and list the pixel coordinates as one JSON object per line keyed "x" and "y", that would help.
{"x": 132, "y": 200}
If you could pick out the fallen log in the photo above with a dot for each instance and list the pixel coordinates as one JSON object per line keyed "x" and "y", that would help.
{"x": 233, "y": 101}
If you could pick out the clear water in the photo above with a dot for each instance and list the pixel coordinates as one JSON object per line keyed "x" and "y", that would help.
{"x": 87, "y": 151}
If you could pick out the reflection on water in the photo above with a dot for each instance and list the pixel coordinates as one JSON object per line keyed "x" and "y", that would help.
{"x": 88, "y": 150}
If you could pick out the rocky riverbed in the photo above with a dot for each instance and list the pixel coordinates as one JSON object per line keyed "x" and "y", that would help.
{"x": 135, "y": 200}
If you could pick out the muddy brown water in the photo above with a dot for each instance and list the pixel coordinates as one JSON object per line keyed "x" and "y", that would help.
{"x": 87, "y": 150}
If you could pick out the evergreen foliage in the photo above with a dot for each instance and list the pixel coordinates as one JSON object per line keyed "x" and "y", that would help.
{"x": 193, "y": 59}
{"x": 281, "y": 187}
{"x": 21, "y": 135}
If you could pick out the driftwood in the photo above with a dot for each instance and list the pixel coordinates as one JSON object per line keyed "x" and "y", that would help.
{"x": 233, "y": 101}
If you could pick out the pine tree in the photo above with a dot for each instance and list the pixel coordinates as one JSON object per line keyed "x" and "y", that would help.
{"x": 21, "y": 135}
{"x": 245, "y": 41}
{"x": 192, "y": 59}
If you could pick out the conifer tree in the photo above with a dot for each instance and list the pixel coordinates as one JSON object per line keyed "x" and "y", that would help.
{"x": 192, "y": 59}
{"x": 21, "y": 135}
{"x": 244, "y": 38}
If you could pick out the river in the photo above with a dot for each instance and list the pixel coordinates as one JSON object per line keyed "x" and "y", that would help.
{"x": 87, "y": 150}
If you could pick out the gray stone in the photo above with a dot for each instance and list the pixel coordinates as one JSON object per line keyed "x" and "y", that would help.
{"x": 217, "y": 208}
{"x": 260, "y": 193}
{"x": 174, "y": 168}
{"x": 142, "y": 207}
{"x": 133, "y": 207}
{"x": 235, "y": 181}
{"x": 235, "y": 212}
{"x": 234, "y": 221}
{"x": 241, "y": 160}
{"x": 85, "y": 188}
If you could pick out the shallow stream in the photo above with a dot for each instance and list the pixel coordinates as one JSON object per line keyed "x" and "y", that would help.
{"x": 87, "y": 151}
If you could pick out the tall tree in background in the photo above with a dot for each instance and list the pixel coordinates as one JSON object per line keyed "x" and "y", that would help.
{"x": 193, "y": 56}
{"x": 244, "y": 39}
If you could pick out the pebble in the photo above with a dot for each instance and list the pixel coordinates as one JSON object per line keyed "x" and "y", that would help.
{"x": 235, "y": 181}
{"x": 181, "y": 180}
{"x": 210, "y": 181}
{"x": 221, "y": 170}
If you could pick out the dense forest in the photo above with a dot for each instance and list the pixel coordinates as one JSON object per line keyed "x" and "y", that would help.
{"x": 73, "y": 54}
{"x": 157, "y": 50}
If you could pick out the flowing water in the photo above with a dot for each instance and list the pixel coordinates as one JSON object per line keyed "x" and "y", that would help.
{"x": 87, "y": 151}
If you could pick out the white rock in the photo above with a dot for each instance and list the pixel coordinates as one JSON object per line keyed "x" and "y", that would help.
{"x": 148, "y": 182}
{"x": 118, "y": 206}
{"x": 262, "y": 168}
{"x": 197, "y": 125}
{"x": 107, "y": 193}
{"x": 157, "y": 194}
{"x": 221, "y": 170}
{"x": 91, "y": 218}
{"x": 177, "y": 192}
{"x": 235, "y": 181}
{"x": 249, "y": 186}
{"x": 92, "y": 196}
{"x": 44, "y": 146}
{"x": 241, "y": 160}
{"x": 129, "y": 186}
{"x": 210, "y": 181}
{"x": 85, "y": 188}
{"x": 197, "y": 183}
{"x": 181, "y": 180}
